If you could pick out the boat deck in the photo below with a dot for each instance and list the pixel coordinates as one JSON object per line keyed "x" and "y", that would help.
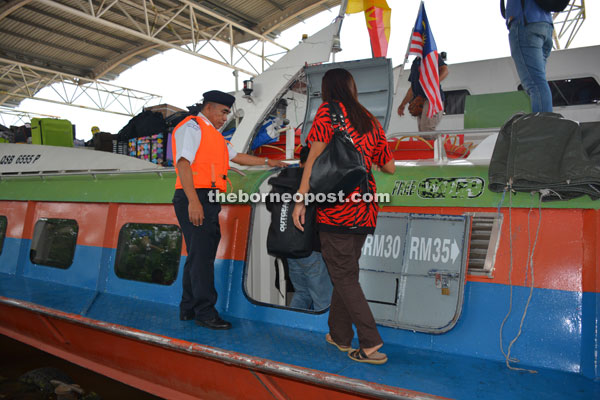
{"x": 439, "y": 374}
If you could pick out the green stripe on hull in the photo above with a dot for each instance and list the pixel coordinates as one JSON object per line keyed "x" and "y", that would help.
{"x": 423, "y": 186}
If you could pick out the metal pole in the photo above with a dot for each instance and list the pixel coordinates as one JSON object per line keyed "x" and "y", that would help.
{"x": 407, "y": 51}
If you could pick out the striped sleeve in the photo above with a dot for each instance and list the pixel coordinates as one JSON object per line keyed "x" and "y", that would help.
{"x": 381, "y": 154}
{"x": 321, "y": 130}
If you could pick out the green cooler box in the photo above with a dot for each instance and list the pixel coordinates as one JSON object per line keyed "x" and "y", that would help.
{"x": 53, "y": 132}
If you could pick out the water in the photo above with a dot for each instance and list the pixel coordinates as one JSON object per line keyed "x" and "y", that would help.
{"x": 17, "y": 358}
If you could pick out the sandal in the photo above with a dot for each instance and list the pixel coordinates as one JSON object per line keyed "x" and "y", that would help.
{"x": 329, "y": 340}
{"x": 375, "y": 358}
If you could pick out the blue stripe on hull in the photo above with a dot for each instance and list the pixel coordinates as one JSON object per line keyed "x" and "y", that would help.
{"x": 433, "y": 372}
{"x": 560, "y": 331}
{"x": 9, "y": 255}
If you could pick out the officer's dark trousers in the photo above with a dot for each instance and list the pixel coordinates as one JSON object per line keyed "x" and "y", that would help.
{"x": 199, "y": 294}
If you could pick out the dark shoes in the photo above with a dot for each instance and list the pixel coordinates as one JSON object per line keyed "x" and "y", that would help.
{"x": 214, "y": 323}
{"x": 186, "y": 316}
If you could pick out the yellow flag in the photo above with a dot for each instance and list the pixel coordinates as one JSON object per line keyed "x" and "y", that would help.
{"x": 378, "y": 19}
{"x": 355, "y": 6}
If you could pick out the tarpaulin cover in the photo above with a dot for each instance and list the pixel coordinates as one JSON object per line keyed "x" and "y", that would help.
{"x": 546, "y": 151}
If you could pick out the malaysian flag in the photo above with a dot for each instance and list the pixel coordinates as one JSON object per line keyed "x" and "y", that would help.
{"x": 423, "y": 45}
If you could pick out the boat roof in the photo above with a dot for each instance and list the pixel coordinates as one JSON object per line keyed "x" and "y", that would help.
{"x": 100, "y": 41}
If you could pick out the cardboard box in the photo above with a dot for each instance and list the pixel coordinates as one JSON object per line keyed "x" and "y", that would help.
{"x": 165, "y": 109}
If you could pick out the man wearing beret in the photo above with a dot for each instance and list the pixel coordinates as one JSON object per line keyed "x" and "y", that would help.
{"x": 202, "y": 158}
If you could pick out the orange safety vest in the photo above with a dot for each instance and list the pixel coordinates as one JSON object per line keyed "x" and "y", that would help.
{"x": 211, "y": 161}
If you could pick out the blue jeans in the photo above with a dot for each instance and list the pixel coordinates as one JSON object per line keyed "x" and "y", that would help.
{"x": 312, "y": 285}
{"x": 530, "y": 46}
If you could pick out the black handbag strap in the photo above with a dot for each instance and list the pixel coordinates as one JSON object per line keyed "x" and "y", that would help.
{"x": 338, "y": 122}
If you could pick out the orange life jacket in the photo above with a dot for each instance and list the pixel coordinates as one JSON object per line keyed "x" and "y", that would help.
{"x": 211, "y": 161}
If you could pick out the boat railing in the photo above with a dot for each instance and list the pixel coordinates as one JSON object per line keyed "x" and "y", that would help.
{"x": 93, "y": 173}
{"x": 472, "y": 137}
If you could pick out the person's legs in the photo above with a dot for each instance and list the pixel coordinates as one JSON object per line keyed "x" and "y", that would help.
{"x": 301, "y": 298}
{"x": 530, "y": 46}
{"x": 180, "y": 204}
{"x": 319, "y": 283}
{"x": 205, "y": 241}
{"x": 428, "y": 124}
{"x": 348, "y": 303}
{"x": 199, "y": 295}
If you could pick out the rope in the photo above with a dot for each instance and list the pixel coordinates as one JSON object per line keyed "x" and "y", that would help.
{"x": 529, "y": 266}
{"x": 413, "y": 138}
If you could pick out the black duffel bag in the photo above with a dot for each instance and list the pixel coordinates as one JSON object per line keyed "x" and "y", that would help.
{"x": 340, "y": 167}
{"x": 284, "y": 240}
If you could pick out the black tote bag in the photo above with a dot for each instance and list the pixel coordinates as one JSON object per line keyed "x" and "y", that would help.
{"x": 340, "y": 167}
{"x": 284, "y": 240}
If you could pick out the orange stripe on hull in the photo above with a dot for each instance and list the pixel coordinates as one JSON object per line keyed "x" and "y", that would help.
{"x": 566, "y": 255}
{"x": 15, "y": 212}
{"x": 100, "y": 223}
{"x": 565, "y": 258}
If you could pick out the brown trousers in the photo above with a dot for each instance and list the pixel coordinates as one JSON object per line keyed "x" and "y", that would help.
{"x": 348, "y": 303}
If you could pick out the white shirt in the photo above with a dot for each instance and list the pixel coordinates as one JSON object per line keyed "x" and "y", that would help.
{"x": 187, "y": 140}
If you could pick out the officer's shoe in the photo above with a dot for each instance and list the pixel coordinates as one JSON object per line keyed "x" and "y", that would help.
{"x": 214, "y": 323}
{"x": 186, "y": 316}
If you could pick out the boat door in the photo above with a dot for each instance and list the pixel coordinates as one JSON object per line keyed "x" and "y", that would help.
{"x": 412, "y": 270}
{"x": 374, "y": 82}
{"x": 265, "y": 276}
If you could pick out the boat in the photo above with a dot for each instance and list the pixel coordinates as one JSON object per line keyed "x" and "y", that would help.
{"x": 477, "y": 294}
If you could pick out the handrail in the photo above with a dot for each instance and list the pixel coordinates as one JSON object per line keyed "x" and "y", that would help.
{"x": 485, "y": 132}
{"x": 43, "y": 174}
{"x": 439, "y": 152}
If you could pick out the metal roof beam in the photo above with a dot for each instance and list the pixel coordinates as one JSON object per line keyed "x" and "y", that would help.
{"x": 235, "y": 25}
{"x": 87, "y": 27}
{"x": 148, "y": 37}
{"x": 65, "y": 35}
{"x": 275, "y": 4}
{"x": 286, "y": 15}
{"x": 222, "y": 9}
{"x": 72, "y": 90}
{"x": 568, "y": 22}
{"x": 52, "y": 45}
{"x": 11, "y": 6}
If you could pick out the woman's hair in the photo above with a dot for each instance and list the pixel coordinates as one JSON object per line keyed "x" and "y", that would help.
{"x": 338, "y": 85}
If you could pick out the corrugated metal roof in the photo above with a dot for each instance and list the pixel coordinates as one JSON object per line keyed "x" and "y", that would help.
{"x": 99, "y": 39}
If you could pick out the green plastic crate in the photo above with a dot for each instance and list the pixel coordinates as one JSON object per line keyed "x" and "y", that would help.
{"x": 52, "y": 132}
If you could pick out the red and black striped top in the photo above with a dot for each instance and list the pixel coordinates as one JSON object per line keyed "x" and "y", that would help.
{"x": 351, "y": 217}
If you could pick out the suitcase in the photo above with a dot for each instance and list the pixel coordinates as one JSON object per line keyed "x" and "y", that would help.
{"x": 103, "y": 141}
{"x": 53, "y": 132}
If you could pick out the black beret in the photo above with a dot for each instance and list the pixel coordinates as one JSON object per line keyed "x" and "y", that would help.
{"x": 216, "y": 96}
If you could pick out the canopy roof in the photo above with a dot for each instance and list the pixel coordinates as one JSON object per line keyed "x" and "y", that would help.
{"x": 48, "y": 41}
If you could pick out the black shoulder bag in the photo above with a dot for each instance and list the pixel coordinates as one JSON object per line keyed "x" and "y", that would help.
{"x": 341, "y": 166}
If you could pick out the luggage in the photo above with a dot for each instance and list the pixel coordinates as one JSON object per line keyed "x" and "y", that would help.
{"x": 53, "y": 132}
{"x": 284, "y": 240}
{"x": 146, "y": 123}
{"x": 148, "y": 148}
{"x": 103, "y": 141}
{"x": 22, "y": 133}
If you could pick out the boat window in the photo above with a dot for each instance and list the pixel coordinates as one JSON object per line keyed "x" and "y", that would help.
{"x": 574, "y": 92}
{"x": 485, "y": 238}
{"x": 148, "y": 253}
{"x": 54, "y": 241}
{"x": 454, "y": 102}
{"x": 3, "y": 223}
